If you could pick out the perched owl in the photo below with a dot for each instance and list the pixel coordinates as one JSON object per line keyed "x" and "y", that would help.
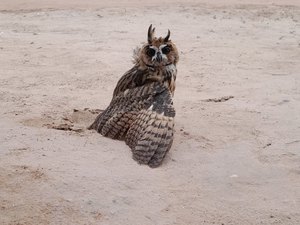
{"x": 141, "y": 111}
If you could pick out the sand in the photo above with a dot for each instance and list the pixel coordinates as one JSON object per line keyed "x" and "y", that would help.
{"x": 236, "y": 154}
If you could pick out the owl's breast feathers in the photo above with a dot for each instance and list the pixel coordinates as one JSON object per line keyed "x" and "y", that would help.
{"x": 141, "y": 112}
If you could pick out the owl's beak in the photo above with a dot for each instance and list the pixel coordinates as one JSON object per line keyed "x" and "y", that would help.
{"x": 159, "y": 57}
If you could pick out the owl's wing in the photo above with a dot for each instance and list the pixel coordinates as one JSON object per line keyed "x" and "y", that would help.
{"x": 144, "y": 117}
{"x": 150, "y": 136}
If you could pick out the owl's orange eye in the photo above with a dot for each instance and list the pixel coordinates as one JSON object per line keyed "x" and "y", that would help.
{"x": 150, "y": 52}
{"x": 166, "y": 50}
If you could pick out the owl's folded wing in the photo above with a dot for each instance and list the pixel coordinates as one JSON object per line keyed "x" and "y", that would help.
{"x": 144, "y": 117}
{"x": 151, "y": 134}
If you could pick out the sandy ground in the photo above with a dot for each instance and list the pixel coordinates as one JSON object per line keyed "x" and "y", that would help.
{"x": 232, "y": 162}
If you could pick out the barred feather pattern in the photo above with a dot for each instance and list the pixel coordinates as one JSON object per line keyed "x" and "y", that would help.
{"x": 141, "y": 112}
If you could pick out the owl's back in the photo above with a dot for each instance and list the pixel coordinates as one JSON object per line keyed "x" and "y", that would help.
{"x": 143, "y": 116}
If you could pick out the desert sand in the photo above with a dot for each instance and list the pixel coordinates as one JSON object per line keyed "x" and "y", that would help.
{"x": 236, "y": 154}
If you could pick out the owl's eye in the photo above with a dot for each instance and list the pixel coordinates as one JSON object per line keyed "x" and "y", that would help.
{"x": 166, "y": 50}
{"x": 150, "y": 52}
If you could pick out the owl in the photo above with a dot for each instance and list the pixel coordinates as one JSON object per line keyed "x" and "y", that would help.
{"x": 141, "y": 111}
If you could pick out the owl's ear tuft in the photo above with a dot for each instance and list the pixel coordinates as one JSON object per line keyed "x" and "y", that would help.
{"x": 166, "y": 39}
{"x": 150, "y": 34}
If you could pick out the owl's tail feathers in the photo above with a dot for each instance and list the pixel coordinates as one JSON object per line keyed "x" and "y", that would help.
{"x": 115, "y": 126}
{"x": 150, "y": 137}
{"x": 99, "y": 121}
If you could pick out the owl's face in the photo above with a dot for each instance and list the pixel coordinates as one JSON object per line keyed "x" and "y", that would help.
{"x": 159, "y": 52}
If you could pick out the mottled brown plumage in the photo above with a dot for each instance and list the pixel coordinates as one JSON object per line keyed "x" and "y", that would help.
{"x": 141, "y": 111}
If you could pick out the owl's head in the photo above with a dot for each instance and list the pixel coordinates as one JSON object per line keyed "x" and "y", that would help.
{"x": 158, "y": 52}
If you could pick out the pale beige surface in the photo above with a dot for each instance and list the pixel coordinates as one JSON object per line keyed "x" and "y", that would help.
{"x": 233, "y": 162}
{"x": 99, "y": 4}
